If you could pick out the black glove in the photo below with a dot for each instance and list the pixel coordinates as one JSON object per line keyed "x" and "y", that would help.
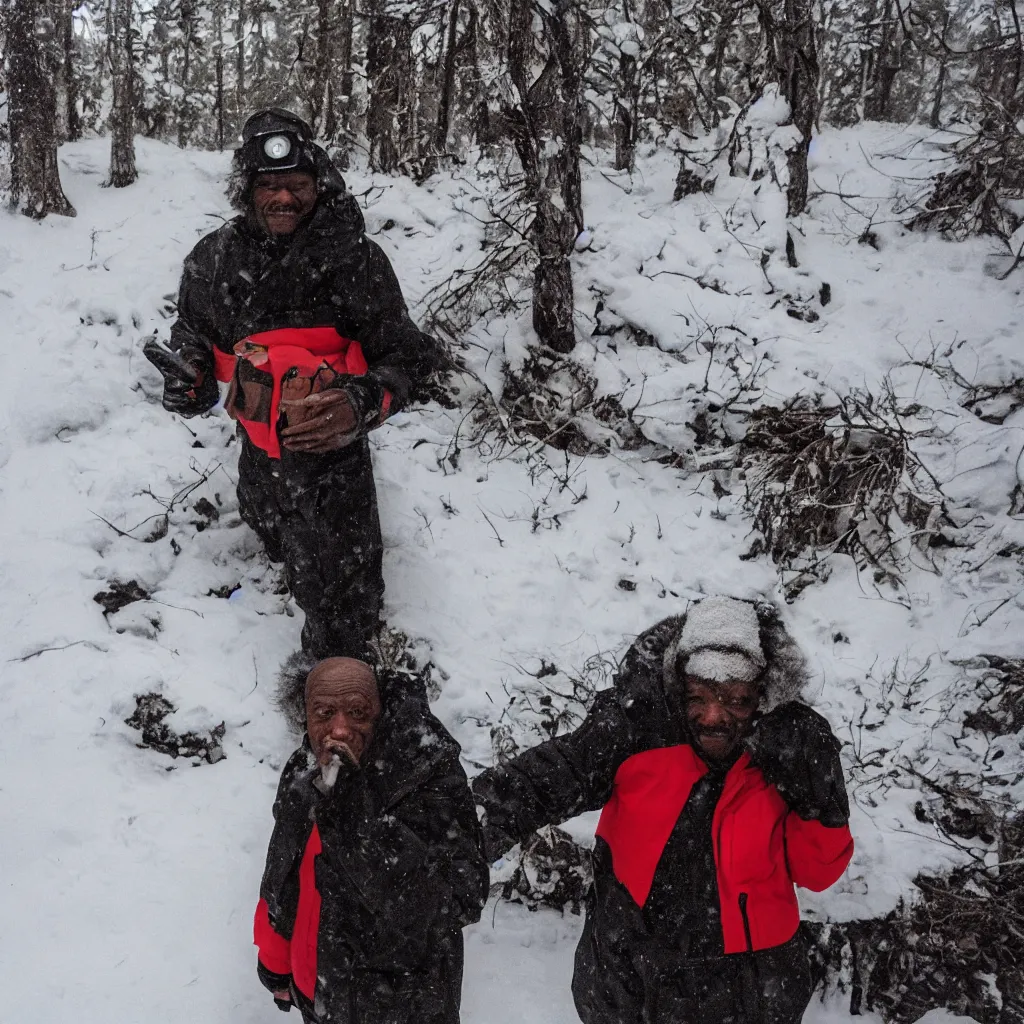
{"x": 797, "y": 753}
{"x": 272, "y": 981}
{"x": 190, "y": 399}
{"x": 187, "y": 391}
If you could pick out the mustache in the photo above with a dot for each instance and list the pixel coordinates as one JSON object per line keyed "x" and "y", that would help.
{"x": 719, "y": 731}
{"x": 283, "y": 208}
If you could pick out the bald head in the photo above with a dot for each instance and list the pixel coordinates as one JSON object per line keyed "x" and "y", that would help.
{"x": 342, "y": 708}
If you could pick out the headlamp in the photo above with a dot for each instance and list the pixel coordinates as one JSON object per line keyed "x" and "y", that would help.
{"x": 276, "y": 151}
{"x": 277, "y": 147}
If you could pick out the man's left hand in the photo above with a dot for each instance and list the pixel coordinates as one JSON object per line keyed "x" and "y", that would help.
{"x": 331, "y": 421}
{"x": 798, "y": 754}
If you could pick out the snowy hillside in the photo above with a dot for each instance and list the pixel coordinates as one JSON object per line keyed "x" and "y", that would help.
{"x": 130, "y": 877}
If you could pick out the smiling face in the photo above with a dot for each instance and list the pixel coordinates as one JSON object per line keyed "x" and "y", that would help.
{"x": 342, "y": 708}
{"x": 719, "y": 715}
{"x": 283, "y": 201}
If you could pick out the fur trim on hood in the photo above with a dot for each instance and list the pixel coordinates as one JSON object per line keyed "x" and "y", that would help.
{"x": 785, "y": 673}
{"x": 291, "y": 689}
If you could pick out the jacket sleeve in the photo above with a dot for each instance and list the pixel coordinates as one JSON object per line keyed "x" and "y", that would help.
{"x": 817, "y": 855}
{"x": 414, "y": 867}
{"x": 399, "y": 356}
{"x": 557, "y": 780}
{"x": 274, "y": 951}
{"x": 194, "y": 333}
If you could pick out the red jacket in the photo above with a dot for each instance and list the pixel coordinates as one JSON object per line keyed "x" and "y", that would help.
{"x": 762, "y": 849}
{"x": 295, "y": 956}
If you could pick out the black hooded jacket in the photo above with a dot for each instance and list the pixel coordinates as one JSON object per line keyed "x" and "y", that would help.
{"x": 238, "y": 281}
{"x": 400, "y": 874}
{"x": 660, "y": 957}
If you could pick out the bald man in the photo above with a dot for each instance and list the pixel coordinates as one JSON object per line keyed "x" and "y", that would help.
{"x": 375, "y": 861}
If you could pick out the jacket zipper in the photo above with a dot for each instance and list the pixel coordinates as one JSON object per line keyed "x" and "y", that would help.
{"x": 746, "y": 922}
{"x": 757, "y": 996}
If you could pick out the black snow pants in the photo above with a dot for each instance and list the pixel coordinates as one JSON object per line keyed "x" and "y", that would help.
{"x": 318, "y": 515}
{"x": 771, "y": 986}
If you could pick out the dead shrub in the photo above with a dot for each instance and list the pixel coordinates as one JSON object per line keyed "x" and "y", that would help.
{"x": 554, "y": 400}
{"x": 977, "y": 197}
{"x": 150, "y": 711}
{"x": 1000, "y": 686}
{"x": 960, "y": 946}
{"x": 840, "y": 478}
{"x": 553, "y": 871}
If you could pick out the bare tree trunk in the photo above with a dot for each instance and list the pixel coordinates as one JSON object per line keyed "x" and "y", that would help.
{"x": 940, "y": 84}
{"x": 409, "y": 141}
{"x": 792, "y": 48}
{"x": 544, "y": 122}
{"x": 218, "y": 70}
{"x": 186, "y": 118}
{"x": 626, "y": 101}
{"x": 63, "y": 86}
{"x": 388, "y": 61}
{"x": 240, "y": 35}
{"x": 444, "y": 106}
{"x": 321, "y": 90}
{"x": 886, "y": 61}
{"x": 34, "y": 52}
{"x": 74, "y": 121}
{"x": 472, "y": 93}
{"x": 122, "y": 115}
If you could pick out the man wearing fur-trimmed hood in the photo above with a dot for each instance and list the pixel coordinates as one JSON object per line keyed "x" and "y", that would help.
{"x": 719, "y": 793}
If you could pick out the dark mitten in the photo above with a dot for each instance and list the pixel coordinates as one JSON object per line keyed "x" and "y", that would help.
{"x": 272, "y": 981}
{"x": 190, "y": 399}
{"x": 283, "y": 1004}
{"x": 797, "y": 753}
{"x": 187, "y": 391}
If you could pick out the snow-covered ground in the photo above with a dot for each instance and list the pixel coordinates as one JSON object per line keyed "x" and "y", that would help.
{"x": 129, "y": 878}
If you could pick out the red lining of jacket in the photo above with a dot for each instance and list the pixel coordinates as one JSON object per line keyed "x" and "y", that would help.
{"x": 306, "y": 348}
{"x": 762, "y": 849}
{"x": 295, "y": 956}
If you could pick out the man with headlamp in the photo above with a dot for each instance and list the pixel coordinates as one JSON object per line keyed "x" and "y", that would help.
{"x": 302, "y": 315}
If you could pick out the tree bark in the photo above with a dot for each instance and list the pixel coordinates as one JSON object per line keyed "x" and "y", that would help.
{"x": 940, "y": 84}
{"x": 34, "y": 53}
{"x": 544, "y": 122}
{"x": 123, "y": 171}
{"x": 321, "y": 101}
{"x": 218, "y": 71}
{"x": 390, "y": 73}
{"x": 626, "y": 102}
{"x": 186, "y": 113}
{"x": 792, "y": 47}
{"x": 64, "y": 79}
{"x": 885, "y": 65}
{"x": 340, "y": 135}
{"x": 240, "y": 35}
{"x": 444, "y": 106}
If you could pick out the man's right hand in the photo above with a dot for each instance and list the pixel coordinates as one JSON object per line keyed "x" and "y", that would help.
{"x": 283, "y": 1000}
{"x": 186, "y": 392}
{"x": 180, "y": 396}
